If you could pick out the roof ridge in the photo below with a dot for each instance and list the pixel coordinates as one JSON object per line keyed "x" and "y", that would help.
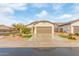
{"x": 70, "y": 22}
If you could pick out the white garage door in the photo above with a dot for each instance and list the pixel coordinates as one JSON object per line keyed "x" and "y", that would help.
{"x": 44, "y": 30}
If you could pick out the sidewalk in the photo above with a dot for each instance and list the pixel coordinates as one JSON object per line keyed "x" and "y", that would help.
{"x": 39, "y": 41}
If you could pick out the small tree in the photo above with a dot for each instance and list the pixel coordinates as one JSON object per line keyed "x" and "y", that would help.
{"x": 22, "y": 28}
{"x": 25, "y": 30}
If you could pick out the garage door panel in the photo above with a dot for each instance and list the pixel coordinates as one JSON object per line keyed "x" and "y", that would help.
{"x": 76, "y": 29}
{"x": 42, "y": 30}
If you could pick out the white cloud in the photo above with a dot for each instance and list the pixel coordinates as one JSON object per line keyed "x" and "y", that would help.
{"x": 7, "y": 11}
{"x": 18, "y": 6}
{"x": 42, "y": 14}
{"x": 7, "y": 20}
{"x": 64, "y": 16}
{"x": 11, "y": 7}
{"x": 57, "y": 6}
{"x": 15, "y": 6}
{"x": 39, "y": 5}
{"x": 75, "y": 7}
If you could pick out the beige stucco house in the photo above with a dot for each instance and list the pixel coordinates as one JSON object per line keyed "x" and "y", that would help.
{"x": 41, "y": 27}
{"x": 56, "y": 26}
{"x": 70, "y": 27}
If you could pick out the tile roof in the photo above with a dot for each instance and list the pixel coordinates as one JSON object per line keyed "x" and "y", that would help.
{"x": 36, "y": 22}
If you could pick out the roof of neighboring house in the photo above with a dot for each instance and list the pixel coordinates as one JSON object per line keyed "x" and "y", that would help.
{"x": 5, "y": 27}
{"x": 59, "y": 23}
{"x": 67, "y": 23}
{"x": 36, "y": 22}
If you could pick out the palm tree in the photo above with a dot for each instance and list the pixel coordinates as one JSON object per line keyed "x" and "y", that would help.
{"x": 21, "y": 28}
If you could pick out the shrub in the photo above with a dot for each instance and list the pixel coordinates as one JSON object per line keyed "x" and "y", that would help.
{"x": 64, "y": 36}
{"x": 77, "y": 34}
{"x": 26, "y": 36}
{"x": 70, "y": 36}
{"x": 22, "y": 28}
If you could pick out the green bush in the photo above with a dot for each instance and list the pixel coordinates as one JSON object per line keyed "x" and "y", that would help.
{"x": 70, "y": 36}
{"x": 26, "y": 36}
{"x": 22, "y": 28}
{"x": 64, "y": 36}
{"x": 77, "y": 34}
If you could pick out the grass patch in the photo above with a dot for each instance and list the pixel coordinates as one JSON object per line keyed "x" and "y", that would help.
{"x": 64, "y": 36}
{"x": 27, "y": 36}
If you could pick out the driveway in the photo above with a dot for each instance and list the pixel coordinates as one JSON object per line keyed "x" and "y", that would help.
{"x": 47, "y": 40}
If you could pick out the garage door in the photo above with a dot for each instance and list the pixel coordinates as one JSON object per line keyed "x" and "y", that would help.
{"x": 76, "y": 29}
{"x": 44, "y": 30}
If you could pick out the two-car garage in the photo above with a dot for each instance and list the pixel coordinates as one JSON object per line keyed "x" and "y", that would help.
{"x": 44, "y": 30}
{"x": 42, "y": 27}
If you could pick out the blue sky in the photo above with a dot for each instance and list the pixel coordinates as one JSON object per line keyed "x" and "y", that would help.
{"x": 26, "y": 13}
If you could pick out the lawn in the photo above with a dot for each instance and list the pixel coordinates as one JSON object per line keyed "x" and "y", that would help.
{"x": 27, "y": 36}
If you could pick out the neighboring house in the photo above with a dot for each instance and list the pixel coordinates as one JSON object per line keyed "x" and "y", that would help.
{"x": 56, "y": 26}
{"x": 41, "y": 27}
{"x": 6, "y": 29}
{"x": 70, "y": 27}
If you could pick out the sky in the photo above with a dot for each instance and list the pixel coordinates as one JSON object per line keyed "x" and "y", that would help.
{"x": 25, "y": 13}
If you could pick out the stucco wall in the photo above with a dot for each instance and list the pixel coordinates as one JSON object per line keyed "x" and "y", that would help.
{"x": 74, "y": 24}
{"x": 30, "y": 26}
{"x": 69, "y": 28}
{"x": 44, "y": 24}
{"x": 66, "y": 28}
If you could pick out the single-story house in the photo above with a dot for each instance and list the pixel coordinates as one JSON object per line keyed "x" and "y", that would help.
{"x": 6, "y": 29}
{"x": 70, "y": 27}
{"x": 56, "y": 26}
{"x": 41, "y": 27}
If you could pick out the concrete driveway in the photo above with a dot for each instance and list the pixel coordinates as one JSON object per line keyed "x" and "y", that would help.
{"x": 47, "y": 40}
